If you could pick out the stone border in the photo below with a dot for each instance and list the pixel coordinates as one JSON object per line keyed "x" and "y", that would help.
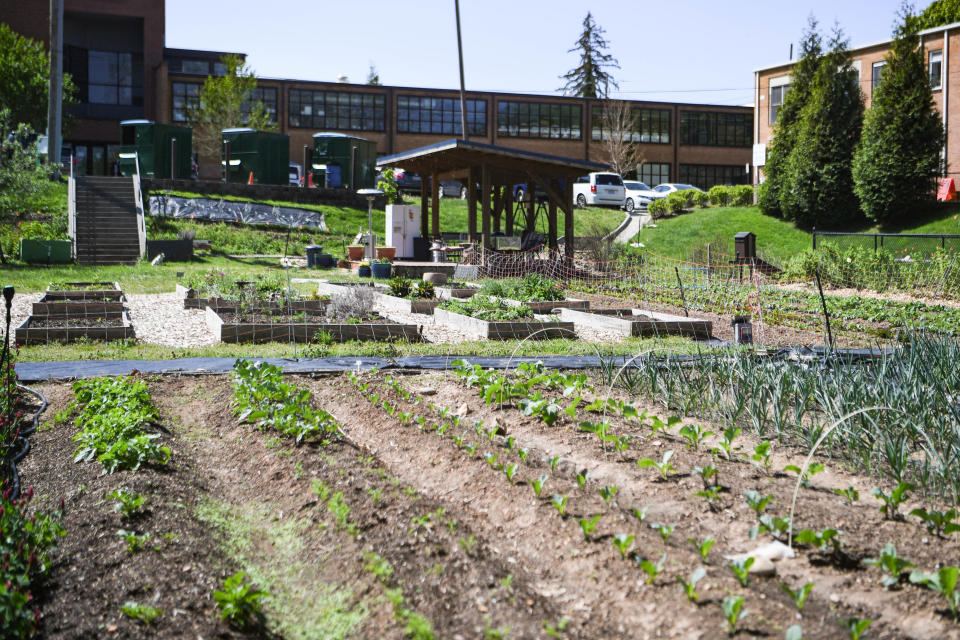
{"x": 505, "y": 330}
{"x": 644, "y": 323}
{"x": 304, "y": 332}
{"x": 25, "y": 334}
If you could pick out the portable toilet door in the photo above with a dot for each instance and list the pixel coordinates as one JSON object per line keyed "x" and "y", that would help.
{"x": 136, "y": 146}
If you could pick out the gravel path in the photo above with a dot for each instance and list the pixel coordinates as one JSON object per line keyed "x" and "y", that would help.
{"x": 160, "y": 318}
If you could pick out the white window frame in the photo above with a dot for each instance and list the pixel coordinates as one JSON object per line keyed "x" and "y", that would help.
{"x": 930, "y": 61}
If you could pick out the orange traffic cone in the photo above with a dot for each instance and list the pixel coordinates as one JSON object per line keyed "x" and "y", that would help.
{"x": 250, "y": 179}
{"x": 310, "y": 179}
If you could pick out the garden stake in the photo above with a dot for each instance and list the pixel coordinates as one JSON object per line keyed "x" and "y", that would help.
{"x": 5, "y": 355}
{"x": 683, "y": 298}
{"x": 826, "y": 314}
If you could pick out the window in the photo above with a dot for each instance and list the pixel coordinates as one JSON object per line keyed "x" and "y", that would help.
{"x": 538, "y": 120}
{"x": 199, "y": 67}
{"x": 705, "y": 176}
{"x": 878, "y": 69}
{"x": 716, "y": 129}
{"x": 266, "y": 95}
{"x": 110, "y": 78}
{"x": 650, "y": 126}
{"x": 935, "y": 67}
{"x": 654, "y": 173}
{"x": 186, "y": 96}
{"x": 440, "y": 116}
{"x": 336, "y": 110}
{"x": 779, "y": 87}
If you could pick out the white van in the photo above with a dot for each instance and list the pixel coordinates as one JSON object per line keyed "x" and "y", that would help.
{"x": 599, "y": 189}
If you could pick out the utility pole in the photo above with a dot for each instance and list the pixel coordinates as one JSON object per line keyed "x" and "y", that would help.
{"x": 55, "y": 94}
{"x": 463, "y": 100}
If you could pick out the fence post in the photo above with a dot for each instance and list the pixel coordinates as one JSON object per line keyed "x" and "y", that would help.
{"x": 708, "y": 262}
{"x": 814, "y": 238}
{"x": 683, "y": 298}
{"x": 826, "y": 314}
{"x": 876, "y": 239}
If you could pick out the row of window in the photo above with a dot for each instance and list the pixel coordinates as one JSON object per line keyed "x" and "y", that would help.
{"x": 106, "y": 77}
{"x": 417, "y": 114}
{"x": 705, "y": 176}
{"x": 636, "y": 125}
{"x": 934, "y": 73}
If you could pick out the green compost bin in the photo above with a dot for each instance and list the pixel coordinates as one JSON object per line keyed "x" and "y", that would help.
{"x": 264, "y": 154}
{"x": 334, "y": 161}
{"x": 45, "y": 251}
{"x": 153, "y": 144}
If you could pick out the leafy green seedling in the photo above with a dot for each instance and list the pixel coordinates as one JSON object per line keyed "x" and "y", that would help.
{"x": 523, "y": 454}
{"x": 694, "y": 435}
{"x": 855, "y": 627}
{"x": 821, "y": 539}
{"x": 134, "y": 542}
{"x": 850, "y": 494}
{"x": 812, "y": 470}
{"x": 239, "y": 602}
{"x": 799, "y": 596}
{"x": 141, "y": 612}
{"x": 653, "y": 569}
{"x": 608, "y": 493}
{"x": 733, "y": 611}
{"x": 663, "y": 529}
{"x": 891, "y": 564}
{"x": 774, "y": 525}
{"x": 468, "y": 543}
{"x": 665, "y": 467}
{"x": 554, "y": 461}
{"x": 726, "y": 447}
{"x": 622, "y": 542}
{"x": 761, "y": 454}
{"x": 538, "y": 484}
{"x": 943, "y": 582}
{"x": 939, "y": 523}
{"x": 559, "y": 503}
{"x": 893, "y": 500}
{"x": 555, "y": 630}
{"x": 491, "y": 459}
{"x": 702, "y": 547}
{"x": 128, "y": 504}
{"x": 711, "y": 495}
{"x": 510, "y": 471}
{"x": 690, "y": 584}
{"x": 741, "y": 569}
{"x": 582, "y": 478}
{"x": 708, "y": 473}
{"x": 757, "y": 501}
{"x": 639, "y": 514}
{"x": 589, "y": 525}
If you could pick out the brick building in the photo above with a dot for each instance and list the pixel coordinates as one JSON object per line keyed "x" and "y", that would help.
{"x": 115, "y": 51}
{"x": 772, "y": 83}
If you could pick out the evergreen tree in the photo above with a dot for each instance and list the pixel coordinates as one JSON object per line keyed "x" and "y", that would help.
{"x": 818, "y": 185}
{"x": 898, "y": 159}
{"x": 373, "y": 76}
{"x": 590, "y": 79}
{"x": 785, "y": 129}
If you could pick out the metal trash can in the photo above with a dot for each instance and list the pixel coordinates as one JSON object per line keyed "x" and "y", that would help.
{"x": 325, "y": 260}
{"x": 437, "y": 252}
{"x": 313, "y": 255}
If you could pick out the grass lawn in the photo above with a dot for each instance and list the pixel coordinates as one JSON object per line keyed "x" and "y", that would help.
{"x": 679, "y": 236}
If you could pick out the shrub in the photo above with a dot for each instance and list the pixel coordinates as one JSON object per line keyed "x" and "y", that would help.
{"x": 425, "y": 290}
{"x": 742, "y": 195}
{"x": 400, "y": 286}
{"x": 676, "y": 202}
{"x": 657, "y": 208}
{"x": 701, "y": 199}
{"x": 357, "y": 302}
{"x": 720, "y": 195}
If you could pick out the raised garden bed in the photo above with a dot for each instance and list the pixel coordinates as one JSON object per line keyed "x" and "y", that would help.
{"x": 544, "y": 307}
{"x": 505, "y": 329}
{"x": 456, "y": 290}
{"x": 89, "y": 306}
{"x": 45, "y": 329}
{"x": 227, "y": 327}
{"x": 192, "y": 300}
{"x": 634, "y": 322}
{"x": 406, "y": 305}
{"x": 84, "y": 291}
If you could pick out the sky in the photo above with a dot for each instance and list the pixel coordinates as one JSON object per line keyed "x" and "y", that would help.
{"x": 697, "y": 51}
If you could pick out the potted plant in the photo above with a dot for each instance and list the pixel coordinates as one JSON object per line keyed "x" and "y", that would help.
{"x": 381, "y": 268}
{"x": 364, "y": 269}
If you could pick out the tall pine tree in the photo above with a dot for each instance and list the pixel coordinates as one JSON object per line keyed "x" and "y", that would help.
{"x": 818, "y": 185}
{"x": 590, "y": 79}
{"x": 898, "y": 159}
{"x": 785, "y": 129}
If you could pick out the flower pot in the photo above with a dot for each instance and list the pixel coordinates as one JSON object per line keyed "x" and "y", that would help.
{"x": 363, "y": 271}
{"x": 381, "y": 270}
{"x": 387, "y": 252}
{"x": 354, "y": 252}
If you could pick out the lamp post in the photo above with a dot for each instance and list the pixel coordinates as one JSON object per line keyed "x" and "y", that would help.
{"x": 370, "y": 195}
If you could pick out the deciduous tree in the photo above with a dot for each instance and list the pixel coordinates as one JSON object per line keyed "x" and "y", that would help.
{"x": 619, "y": 123}
{"x": 24, "y": 78}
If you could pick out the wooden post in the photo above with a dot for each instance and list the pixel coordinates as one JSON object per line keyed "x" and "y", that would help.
{"x": 567, "y": 206}
{"x": 508, "y": 204}
{"x": 531, "y": 208}
{"x": 424, "y": 218}
{"x": 472, "y": 206}
{"x": 485, "y": 205}
{"x": 435, "y": 205}
{"x": 552, "y": 222}
{"x": 497, "y": 206}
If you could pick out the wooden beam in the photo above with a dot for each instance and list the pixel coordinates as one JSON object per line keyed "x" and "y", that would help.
{"x": 508, "y": 205}
{"x": 497, "y": 206}
{"x": 424, "y": 212}
{"x": 472, "y": 206}
{"x": 485, "y": 206}
{"x": 552, "y": 194}
{"x": 552, "y": 224}
{"x": 435, "y": 205}
{"x": 567, "y": 207}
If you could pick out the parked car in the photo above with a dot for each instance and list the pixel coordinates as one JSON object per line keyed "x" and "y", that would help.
{"x": 453, "y": 189}
{"x": 638, "y": 195}
{"x": 407, "y": 181}
{"x": 667, "y": 188}
{"x": 296, "y": 173}
{"x": 599, "y": 189}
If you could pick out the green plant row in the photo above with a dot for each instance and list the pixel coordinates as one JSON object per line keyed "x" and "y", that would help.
{"x": 113, "y": 416}
{"x": 532, "y": 288}
{"x": 489, "y": 309}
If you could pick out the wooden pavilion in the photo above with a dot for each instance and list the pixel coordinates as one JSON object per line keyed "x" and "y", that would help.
{"x": 495, "y": 169}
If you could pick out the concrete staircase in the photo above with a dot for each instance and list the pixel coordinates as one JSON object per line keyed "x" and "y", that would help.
{"x": 106, "y": 221}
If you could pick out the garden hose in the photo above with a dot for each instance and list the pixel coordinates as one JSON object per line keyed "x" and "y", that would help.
{"x": 34, "y": 423}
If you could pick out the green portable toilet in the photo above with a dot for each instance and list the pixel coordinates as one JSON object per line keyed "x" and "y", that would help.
{"x": 152, "y": 143}
{"x": 263, "y": 153}
{"x": 334, "y": 161}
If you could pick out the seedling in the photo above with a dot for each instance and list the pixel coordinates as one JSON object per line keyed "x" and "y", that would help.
{"x": 761, "y": 455}
{"x": 622, "y": 542}
{"x": 491, "y": 459}
{"x": 891, "y": 564}
{"x": 652, "y": 569}
{"x": 559, "y": 503}
{"x": 663, "y": 529}
{"x": 690, "y": 584}
{"x": 639, "y": 514}
{"x": 554, "y": 461}
{"x": 756, "y": 501}
{"x": 943, "y": 582}
{"x": 855, "y": 627}
{"x": 850, "y": 494}
{"x": 582, "y": 478}
{"x": 608, "y": 493}
{"x": 733, "y": 611}
{"x": 468, "y": 543}
{"x": 128, "y": 504}
{"x": 774, "y": 525}
{"x": 741, "y": 569}
{"x": 708, "y": 473}
{"x": 893, "y": 500}
{"x": 538, "y": 484}
{"x": 239, "y": 602}
{"x": 710, "y": 495}
{"x": 702, "y": 547}
{"x": 510, "y": 471}
{"x": 523, "y": 454}
{"x": 134, "y": 542}
{"x": 799, "y": 596}
{"x": 588, "y": 525}
{"x": 665, "y": 467}
{"x": 555, "y": 630}
{"x": 729, "y": 435}
{"x": 694, "y": 435}
{"x": 939, "y": 523}
{"x": 812, "y": 470}
{"x": 820, "y": 540}
{"x": 141, "y": 612}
